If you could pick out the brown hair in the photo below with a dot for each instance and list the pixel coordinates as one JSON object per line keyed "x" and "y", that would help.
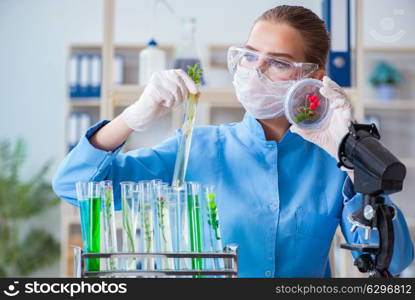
{"x": 311, "y": 27}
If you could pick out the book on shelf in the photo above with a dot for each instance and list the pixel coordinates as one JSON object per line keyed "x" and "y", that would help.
{"x": 78, "y": 124}
{"x": 85, "y": 75}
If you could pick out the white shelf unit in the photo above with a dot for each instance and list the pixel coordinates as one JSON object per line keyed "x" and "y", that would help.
{"x": 217, "y": 105}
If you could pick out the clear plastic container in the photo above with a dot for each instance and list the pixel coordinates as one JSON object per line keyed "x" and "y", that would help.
{"x": 151, "y": 59}
{"x": 305, "y": 106}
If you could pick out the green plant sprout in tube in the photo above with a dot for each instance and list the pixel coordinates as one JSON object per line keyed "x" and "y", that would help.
{"x": 110, "y": 238}
{"x": 147, "y": 219}
{"x": 94, "y": 193}
{"x": 215, "y": 240}
{"x": 154, "y": 196}
{"x": 163, "y": 222}
{"x": 180, "y": 167}
{"x": 128, "y": 221}
{"x": 85, "y": 214}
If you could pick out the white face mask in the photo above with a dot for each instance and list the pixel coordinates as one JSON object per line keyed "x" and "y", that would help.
{"x": 260, "y": 97}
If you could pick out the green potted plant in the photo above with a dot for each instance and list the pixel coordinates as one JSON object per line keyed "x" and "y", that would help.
{"x": 22, "y": 254}
{"x": 385, "y": 78}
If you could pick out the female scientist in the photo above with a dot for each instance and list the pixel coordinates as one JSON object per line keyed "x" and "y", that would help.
{"x": 281, "y": 194}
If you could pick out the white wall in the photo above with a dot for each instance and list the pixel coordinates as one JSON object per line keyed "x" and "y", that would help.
{"x": 35, "y": 35}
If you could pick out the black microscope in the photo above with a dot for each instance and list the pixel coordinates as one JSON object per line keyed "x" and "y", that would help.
{"x": 376, "y": 172}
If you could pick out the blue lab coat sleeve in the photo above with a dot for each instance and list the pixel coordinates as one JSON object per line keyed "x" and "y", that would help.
{"x": 87, "y": 163}
{"x": 403, "y": 252}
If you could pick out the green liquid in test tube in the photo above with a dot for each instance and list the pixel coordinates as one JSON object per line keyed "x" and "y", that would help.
{"x": 85, "y": 215}
{"x": 95, "y": 198}
{"x": 195, "y": 229}
{"x": 198, "y": 228}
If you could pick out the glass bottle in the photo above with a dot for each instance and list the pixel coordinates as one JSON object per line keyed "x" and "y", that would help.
{"x": 186, "y": 51}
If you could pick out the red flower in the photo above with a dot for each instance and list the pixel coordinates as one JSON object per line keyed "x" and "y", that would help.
{"x": 314, "y": 102}
{"x": 307, "y": 112}
{"x": 312, "y": 98}
{"x": 313, "y": 106}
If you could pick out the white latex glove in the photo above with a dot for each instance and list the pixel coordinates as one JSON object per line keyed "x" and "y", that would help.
{"x": 165, "y": 91}
{"x": 329, "y": 137}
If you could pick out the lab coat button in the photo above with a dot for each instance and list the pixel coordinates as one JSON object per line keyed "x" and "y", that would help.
{"x": 268, "y": 273}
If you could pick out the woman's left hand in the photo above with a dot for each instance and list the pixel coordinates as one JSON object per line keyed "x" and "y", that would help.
{"x": 329, "y": 137}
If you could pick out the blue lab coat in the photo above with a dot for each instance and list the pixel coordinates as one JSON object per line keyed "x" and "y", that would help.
{"x": 281, "y": 202}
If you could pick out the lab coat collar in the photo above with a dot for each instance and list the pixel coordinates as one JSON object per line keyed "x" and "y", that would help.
{"x": 255, "y": 129}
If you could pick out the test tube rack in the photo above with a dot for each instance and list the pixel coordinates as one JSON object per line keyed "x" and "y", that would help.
{"x": 229, "y": 256}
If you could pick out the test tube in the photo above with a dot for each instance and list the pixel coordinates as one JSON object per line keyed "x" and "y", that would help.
{"x": 94, "y": 194}
{"x": 155, "y": 183}
{"x": 195, "y": 224}
{"x": 185, "y": 141}
{"x": 173, "y": 205}
{"x": 110, "y": 237}
{"x": 137, "y": 195}
{"x": 165, "y": 243}
{"x": 213, "y": 239}
{"x": 128, "y": 221}
{"x": 183, "y": 223}
{"x": 84, "y": 204}
{"x": 147, "y": 222}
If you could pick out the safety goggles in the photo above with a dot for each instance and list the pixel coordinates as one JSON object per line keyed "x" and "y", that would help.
{"x": 272, "y": 68}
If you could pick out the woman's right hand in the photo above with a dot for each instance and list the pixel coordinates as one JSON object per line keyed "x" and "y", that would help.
{"x": 165, "y": 91}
